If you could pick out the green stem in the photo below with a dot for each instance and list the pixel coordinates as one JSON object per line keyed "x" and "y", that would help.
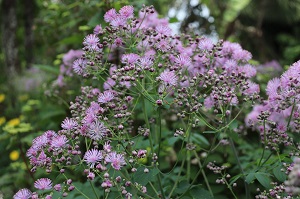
{"x": 150, "y": 135}
{"x": 204, "y": 163}
{"x": 290, "y": 118}
{"x": 188, "y": 159}
{"x": 265, "y": 143}
{"x": 229, "y": 187}
{"x": 177, "y": 179}
{"x": 153, "y": 188}
{"x": 204, "y": 175}
{"x": 159, "y": 132}
{"x": 147, "y": 120}
{"x": 158, "y": 153}
{"x": 94, "y": 189}
{"x": 240, "y": 167}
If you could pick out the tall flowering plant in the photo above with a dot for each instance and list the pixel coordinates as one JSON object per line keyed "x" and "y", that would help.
{"x": 158, "y": 108}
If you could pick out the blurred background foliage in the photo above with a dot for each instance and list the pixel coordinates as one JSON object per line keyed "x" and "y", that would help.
{"x": 35, "y": 34}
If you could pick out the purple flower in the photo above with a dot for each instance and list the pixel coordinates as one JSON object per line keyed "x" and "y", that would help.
{"x": 253, "y": 88}
{"x": 79, "y": 66}
{"x": 118, "y": 21}
{"x": 118, "y": 42}
{"x": 116, "y": 160}
{"x": 31, "y": 152}
{"x": 57, "y": 187}
{"x": 209, "y": 102}
{"x": 91, "y": 176}
{"x": 272, "y": 88}
{"x": 107, "y": 147}
{"x": 145, "y": 62}
{"x": 23, "y": 194}
{"x": 40, "y": 141}
{"x": 168, "y": 77}
{"x": 230, "y": 65}
{"x": 126, "y": 12}
{"x": 43, "y": 184}
{"x": 109, "y": 84}
{"x": 163, "y": 30}
{"x": 110, "y": 15}
{"x": 130, "y": 58}
{"x": 98, "y": 29}
{"x": 50, "y": 134}
{"x": 94, "y": 109}
{"x": 249, "y": 70}
{"x": 163, "y": 45}
{"x": 106, "y": 96}
{"x": 70, "y": 56}
{"x": 97, "y": 130}
{"x": 59, "y": 141}
{"x": 48, "y": 197}
{"x": 91, "y": 157}
{"x": 183, "y": 60}
{"x": 69, "y": 124}
{"x": 91, "y": 41}
{"x": 206, "y": 44}
{"x": 242, "y": 55}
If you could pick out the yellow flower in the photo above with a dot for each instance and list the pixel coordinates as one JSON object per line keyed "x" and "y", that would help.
{"x": 2, "y": 97}
{"x": 2, "y": 120}
{"x": 14, "y": 155}
{"x": 14, "y": 122}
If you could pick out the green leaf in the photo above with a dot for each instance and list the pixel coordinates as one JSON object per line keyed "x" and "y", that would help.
{"x": 200, "y": 140}
{"x": 143, "y": 178}
{"x": 50, "y": 114}
{"x": 173, "y": 20}
{"x": 263, "y": 179}
{"x": 76, "y": 39}
{"x": 280, "y": 175}
{"x": 47, "y": 68}
{"x": 182, "y": 187}
{"x": 197, "y": 192}
{"x": 95, "y": 20}
{"x": 250, "y": 177}
{"x": 235, "y": 178}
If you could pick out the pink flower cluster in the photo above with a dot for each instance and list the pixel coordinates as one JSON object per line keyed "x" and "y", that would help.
{"x": 135, "y": 59}
{"x": 280, "y": 113}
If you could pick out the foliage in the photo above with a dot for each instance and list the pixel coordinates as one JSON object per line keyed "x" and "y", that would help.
{"x": 163, "y": 116}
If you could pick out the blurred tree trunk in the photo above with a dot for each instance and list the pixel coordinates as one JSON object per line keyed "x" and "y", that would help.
{"x": 29, "y": 12}
{"x": 9, "y": 33}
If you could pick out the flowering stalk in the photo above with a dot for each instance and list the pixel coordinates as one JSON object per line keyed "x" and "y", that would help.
{"x": 189, "y": 79}
{"x": 203, "y": 174}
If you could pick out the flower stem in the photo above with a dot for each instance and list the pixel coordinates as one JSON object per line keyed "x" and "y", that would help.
{"x": 240, "y": 167}
{"x": 175, "y": 184}
{"x": 204, "y": 175}
{"x": 94, "y": 189}
{"x": 204, "y": 163}
{"x": 265, "y": 143}
{"x": 290, "y": 118}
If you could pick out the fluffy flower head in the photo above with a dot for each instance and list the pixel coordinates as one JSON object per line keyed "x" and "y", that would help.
{"x": 116, "y": 160}
{"x": 168, "y": 77}
{"x": 23, "y": 194}
{"x": 91, "y": 157}
{"x": 43, "y": 184}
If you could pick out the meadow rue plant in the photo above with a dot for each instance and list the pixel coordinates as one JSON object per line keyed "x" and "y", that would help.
{"x": 162, "y": 105}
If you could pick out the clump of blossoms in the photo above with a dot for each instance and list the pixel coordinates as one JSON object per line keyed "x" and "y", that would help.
{"x": 66, "y": 68}
{"x": 154, "y": 87}
{"x": 279, "y": 114}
